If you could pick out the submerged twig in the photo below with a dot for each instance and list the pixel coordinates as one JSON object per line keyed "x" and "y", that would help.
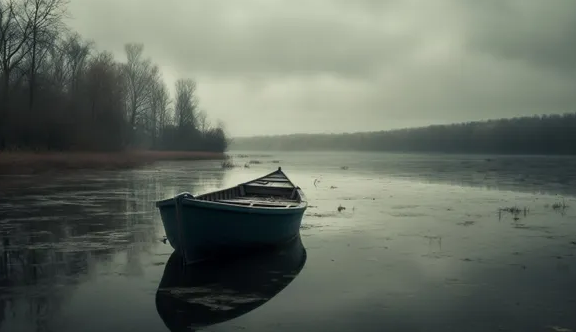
{"x": 514, "y": 211}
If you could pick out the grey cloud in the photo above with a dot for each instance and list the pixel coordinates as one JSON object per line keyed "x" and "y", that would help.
{"x": 237, "y": 38}
{"x": 317, "y": 66}
{"x": 540, "y": 32}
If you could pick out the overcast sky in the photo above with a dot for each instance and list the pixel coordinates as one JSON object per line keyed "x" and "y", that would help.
{"x": 287, "y": 66}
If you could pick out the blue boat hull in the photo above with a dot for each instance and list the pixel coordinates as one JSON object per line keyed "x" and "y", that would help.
{"x": 207, "y": 230}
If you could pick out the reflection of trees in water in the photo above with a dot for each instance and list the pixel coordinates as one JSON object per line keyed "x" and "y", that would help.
{"x": 34, "y": 283}
{"x": 147, "y": 186}
{"x": 45, "y": 249}
{"x": 53, "y": 233}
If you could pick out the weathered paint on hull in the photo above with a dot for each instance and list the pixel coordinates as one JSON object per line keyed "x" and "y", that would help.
{"x": 210, "y": 231}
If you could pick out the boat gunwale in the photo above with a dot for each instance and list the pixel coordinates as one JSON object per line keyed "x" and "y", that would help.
{"x": 244, "y": 208}
{"x": 191, "y": 200}
{"x": 215, "y": 205}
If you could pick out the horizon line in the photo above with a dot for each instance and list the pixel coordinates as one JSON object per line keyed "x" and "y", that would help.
{"x": 402, "y": 128}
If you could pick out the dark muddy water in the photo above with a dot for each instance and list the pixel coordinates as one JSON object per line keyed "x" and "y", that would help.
{"x": 421, "y": 246}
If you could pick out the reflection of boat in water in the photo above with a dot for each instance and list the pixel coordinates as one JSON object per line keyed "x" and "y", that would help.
{"x": 266, "y": 211}
{"x": 211, "y": 292}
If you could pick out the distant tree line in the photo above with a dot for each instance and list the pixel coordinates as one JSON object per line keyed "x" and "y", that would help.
{"x": 546, "y": 134}
{"x": 57, "y": 92}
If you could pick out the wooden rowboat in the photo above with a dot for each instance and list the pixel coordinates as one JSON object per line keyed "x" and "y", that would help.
{"x": 266, "y": 211}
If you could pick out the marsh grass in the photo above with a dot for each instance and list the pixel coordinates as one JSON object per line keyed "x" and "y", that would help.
{"x": 560, "y": 205}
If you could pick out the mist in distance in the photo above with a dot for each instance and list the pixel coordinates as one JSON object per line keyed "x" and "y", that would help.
{"x": 535, "y": 135}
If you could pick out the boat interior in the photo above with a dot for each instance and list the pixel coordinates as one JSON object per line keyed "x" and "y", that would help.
{"x": 272, "y": 190}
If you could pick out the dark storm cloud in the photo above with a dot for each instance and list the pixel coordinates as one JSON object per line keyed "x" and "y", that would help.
{"x": 294, "y": 66}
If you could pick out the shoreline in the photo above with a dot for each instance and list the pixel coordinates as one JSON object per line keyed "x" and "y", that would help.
{"x": 27, "y": 162}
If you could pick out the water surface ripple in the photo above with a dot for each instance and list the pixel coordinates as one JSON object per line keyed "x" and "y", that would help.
{"x": 424, "y": 243}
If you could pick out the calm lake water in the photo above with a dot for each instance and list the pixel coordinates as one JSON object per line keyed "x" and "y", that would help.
{"x": 421, "y": 246}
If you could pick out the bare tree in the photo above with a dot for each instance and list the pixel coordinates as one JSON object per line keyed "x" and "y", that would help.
{"x": 86, "y": 100}
{"x": 45, "y": 20}
{"x": 202, "y": 122}
{"x": 150, "y": 109}
{"x": 139, "y": 79}
{"x": 106, "y": 98}
{"x": 13, "y": 35}
{"x": 164, "y": 102}
{"x": 76, "y": 53}
{"x": 158, "y": 115}
{"x": 14, "y": 32}
{"x": 68, "y": 60}
{"x": 186, "y": 103}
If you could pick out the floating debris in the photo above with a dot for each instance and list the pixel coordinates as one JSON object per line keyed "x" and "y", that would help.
{"x": 320, "y": 215}
{"x": 467, "y": 223}
{"x": 515, "y": 211}
{"x": 341, "y": 208}
{"x": 228, "y": 164}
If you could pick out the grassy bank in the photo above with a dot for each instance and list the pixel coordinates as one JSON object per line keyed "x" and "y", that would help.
{"x": 37, "y": 162}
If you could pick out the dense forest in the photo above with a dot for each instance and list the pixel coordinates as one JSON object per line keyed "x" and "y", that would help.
{"x": 546, "y": 134}
{"x": 58, "y": 92}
